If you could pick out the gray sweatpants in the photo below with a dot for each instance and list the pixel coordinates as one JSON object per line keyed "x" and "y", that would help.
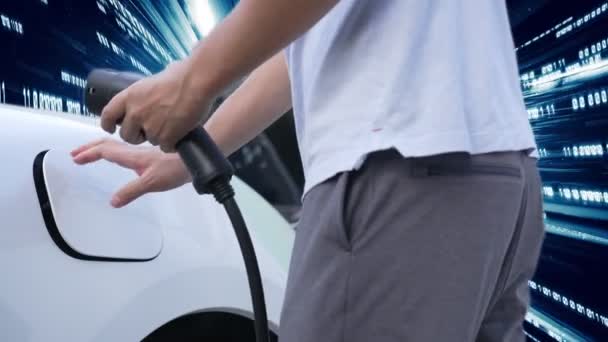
{"x": 417, "y": 249}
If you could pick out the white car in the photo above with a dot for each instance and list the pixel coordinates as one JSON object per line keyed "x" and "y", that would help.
{"x": 164, "y": 268}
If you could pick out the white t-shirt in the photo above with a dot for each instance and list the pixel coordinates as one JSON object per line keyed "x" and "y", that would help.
{"x": 424, "y": 77}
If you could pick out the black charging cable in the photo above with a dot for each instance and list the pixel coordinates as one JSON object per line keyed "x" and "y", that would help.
{"x": 211, "y": 173}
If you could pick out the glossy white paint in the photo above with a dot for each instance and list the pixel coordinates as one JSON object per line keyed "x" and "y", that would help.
{"x": 46, "y": 295}
{"x": 134, "y": 232}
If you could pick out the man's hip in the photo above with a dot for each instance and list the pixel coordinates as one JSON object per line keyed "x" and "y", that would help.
{"x": 416, "y": 249}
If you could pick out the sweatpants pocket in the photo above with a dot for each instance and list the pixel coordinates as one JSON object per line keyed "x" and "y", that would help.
{"x": 343, "y": 192}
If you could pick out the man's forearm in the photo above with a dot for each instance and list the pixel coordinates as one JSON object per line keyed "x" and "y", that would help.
{"x": 251, "y": 34}
{"x": 260, "y": 100}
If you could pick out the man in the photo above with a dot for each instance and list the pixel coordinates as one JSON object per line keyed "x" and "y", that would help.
{"x": 422, "y": 214}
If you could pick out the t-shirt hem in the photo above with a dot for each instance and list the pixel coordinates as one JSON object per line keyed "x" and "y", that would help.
{"x": 347, "y": 159}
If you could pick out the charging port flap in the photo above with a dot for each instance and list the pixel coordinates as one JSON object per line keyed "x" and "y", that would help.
{"x": 75, "y": 203}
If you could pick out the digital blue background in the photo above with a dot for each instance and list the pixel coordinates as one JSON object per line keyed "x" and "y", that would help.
{"x": 47, "y": 47}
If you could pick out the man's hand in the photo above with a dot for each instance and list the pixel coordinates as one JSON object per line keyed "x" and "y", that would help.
{"x": 157, "y": 171}
{"x": 161, "y": 108}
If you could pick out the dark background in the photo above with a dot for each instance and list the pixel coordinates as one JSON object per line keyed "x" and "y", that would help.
{"x": 47, "y": 47}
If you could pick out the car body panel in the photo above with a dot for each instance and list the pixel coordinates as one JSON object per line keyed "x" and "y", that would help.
{"x": 77, "y": 210}
{"x": 48, "y": 295}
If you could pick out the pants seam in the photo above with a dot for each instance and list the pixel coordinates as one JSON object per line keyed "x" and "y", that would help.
{"x": 346, "y": 296}
{"x": 344, "y": 217}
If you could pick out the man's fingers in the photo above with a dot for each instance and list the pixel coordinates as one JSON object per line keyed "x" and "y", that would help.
{"x": 167, "y": 148}
{"x": 167, "y": 141}
{"x": 89, "y": 156}
{"x": 115, "y": 153}
{"x": 86, "y": 146}
{"x": 170, "y": 138}
{"x": 129, "y": 192}
{"x": 131, "y": 132}
{"x": 114, "y": 111}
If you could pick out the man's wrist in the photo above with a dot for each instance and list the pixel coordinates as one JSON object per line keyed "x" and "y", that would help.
{"x": 201, "y": 82}
{"x": 175, "y": 159}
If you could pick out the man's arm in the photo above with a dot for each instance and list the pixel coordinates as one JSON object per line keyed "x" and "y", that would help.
{"x": 258, "y": 102}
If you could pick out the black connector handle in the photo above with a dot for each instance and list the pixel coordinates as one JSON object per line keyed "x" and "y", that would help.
{"x": 103, "y": 84}
{"x": 205, "y": 161}
{"x": 211, "y": 173}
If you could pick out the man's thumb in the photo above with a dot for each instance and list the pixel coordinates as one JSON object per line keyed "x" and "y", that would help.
{"x": 129, "y": 192}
